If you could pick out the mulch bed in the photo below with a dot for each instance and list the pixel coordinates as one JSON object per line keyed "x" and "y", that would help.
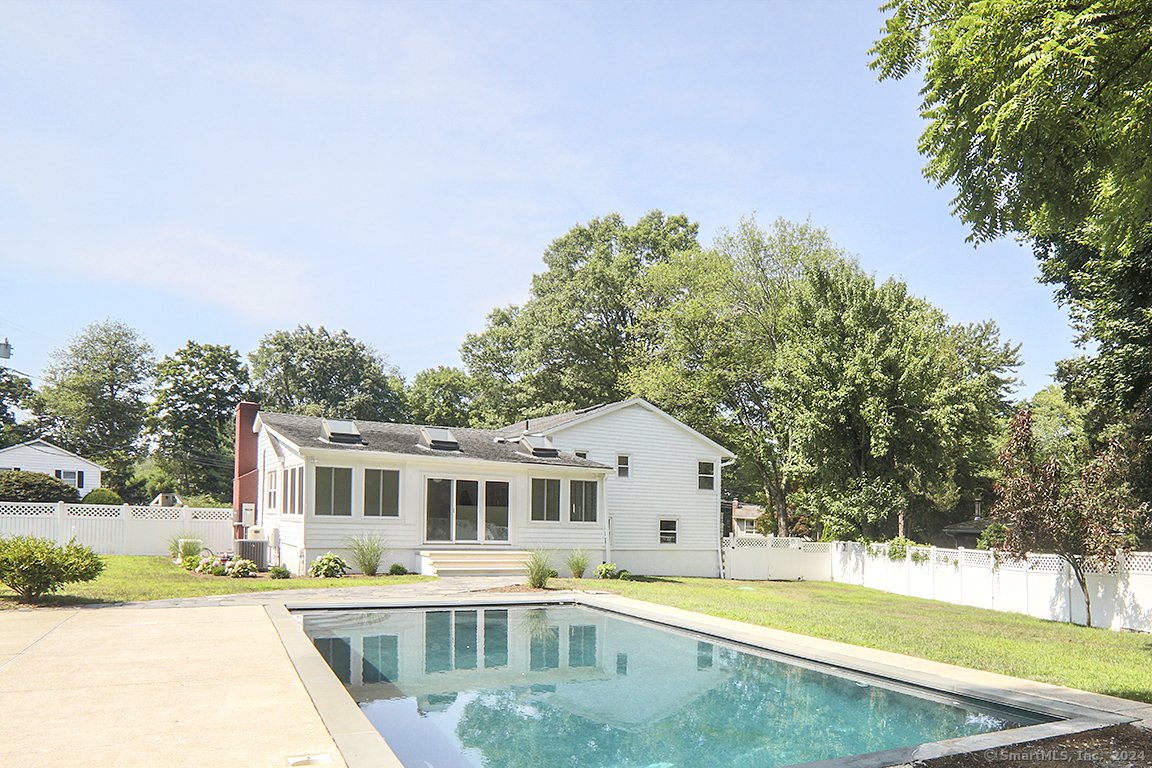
{"x": 1118, "y": 746}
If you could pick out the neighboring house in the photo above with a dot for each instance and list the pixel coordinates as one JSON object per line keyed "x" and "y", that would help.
{"x": 41, "y": 456}
{"x": 744, "y": 518}
{"x": 625, "y": 481}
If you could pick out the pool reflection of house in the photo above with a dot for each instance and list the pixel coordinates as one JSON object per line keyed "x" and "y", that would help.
{"x": 590, "y": 664}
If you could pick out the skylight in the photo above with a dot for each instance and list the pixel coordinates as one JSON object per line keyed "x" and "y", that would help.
{"x": 336, "y": 431}
{"x": 438, "y": 439}
{"x": 539, "y": 445}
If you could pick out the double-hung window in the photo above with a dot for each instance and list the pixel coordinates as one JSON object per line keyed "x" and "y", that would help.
{"x": 381, "y": 493}
{"x": 623, "y": 465}
{"x": 545, "y": 499}
{"x": 270, "y": 489}
{"x": 583, "y": 501}
{"x": 706, "y": 475}
{"x": 667, "y": 531}
{"x": 333, "y": 491}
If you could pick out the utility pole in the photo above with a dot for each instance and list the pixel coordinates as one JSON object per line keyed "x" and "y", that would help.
{"x": 5, "y": 349}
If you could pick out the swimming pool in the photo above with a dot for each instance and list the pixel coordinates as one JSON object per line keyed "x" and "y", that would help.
{"x": 561, "y": 685}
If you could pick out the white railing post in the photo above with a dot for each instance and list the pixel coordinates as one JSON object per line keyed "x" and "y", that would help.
{"x": 960, "y": 569}
{"x": 125, "y": 521}
{"x": 61, "y": 521}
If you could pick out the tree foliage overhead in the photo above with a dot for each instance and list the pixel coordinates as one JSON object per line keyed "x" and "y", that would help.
{"x": 572, "y": 342}
{"x": 197, "y": 390}
{"x": 326, "y": 374}
{"x": 440, "y": 396}
{"x": 1040, "y": 113}
{"x": 93, "y": 401}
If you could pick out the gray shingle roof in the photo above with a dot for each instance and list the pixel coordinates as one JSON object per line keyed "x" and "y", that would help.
{"x": 404, "y": 439}
{"x": 547, "y": 423}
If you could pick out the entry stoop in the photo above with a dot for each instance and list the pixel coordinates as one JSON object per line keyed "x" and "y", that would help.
{"x": 472, "y": 562}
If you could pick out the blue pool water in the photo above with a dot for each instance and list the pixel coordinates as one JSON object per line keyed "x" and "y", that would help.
{"x": 565, "y": 686}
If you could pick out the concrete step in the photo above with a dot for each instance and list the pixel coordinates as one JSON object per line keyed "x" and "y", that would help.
{"x": 476, "y": 563}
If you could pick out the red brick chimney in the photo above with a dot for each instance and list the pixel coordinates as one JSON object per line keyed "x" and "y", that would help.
{"x": 244, "y": 479}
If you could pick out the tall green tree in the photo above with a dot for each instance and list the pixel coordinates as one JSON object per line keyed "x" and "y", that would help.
{"x": 441, "y": 396}
{"x": 197, "y": 390}
{"x": 93, "y": 401}
{"x": 1085, "y": 519}
{"x": 16, "y": 393}
{"x": 889, "y": 399}
{"x": 1040, "y": 113}
{"x": 571, "y": 344}
{"x": 711, "y": 339}
{"x": 315, "y": 371}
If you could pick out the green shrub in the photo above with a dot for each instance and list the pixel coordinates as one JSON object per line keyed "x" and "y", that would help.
{"x": 538, "y": 568}
{"x": 577, "y": 562}
{"x": 623, "y": 576}
{"x": 18, "y": 485}
{"x": 241, "y": 569}
{"x": 183, "y": 544}
{"x": 279, "y": 572}
{"x": 397, "y": 569}
{"x": 102, "y": 496}
{"x": 218, "y": 570}
{"x": 606, "y": 571}
{"x": 190, "y": 562}
{"x": 204, "y": 500}
{"x": 32, "y": 567}
{"x": 328, "y": 566}
{"x": 992, "y": 537}
{"x": 367, "y": 550}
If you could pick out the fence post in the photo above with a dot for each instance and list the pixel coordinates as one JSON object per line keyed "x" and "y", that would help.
{"x": 992, "y": 578}
{"x": 61, "y": 521}
{"x": 932, "y": 554}
{"x": 125, "y": 521}
{"x": 960, "y": 569}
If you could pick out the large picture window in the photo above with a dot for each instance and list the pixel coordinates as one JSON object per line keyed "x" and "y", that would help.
{"x": 333, "y": 491}
{"x": 583, "y": 501}
{"x": 545, "y": 499}
{"x": 381, "y": 493}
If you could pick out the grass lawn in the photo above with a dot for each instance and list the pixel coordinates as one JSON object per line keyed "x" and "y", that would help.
{"x": 128, "y": 579}
{"x": 1100, "y": 660}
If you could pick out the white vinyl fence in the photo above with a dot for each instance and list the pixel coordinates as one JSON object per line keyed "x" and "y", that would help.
{"x": 1041, "y": 585}
{"x": 117, "y": 530}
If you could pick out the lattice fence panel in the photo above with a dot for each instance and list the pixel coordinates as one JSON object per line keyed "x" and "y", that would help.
{"x": 816, "y": 547}
{"x": 1138, "y": 562}
{"x": 1045, "y": 563}
{"x": 156, "y": 513}
{"x": 211, "y": 513}
{"x": 93, "y": 510}
{"x": 20, "y": 509}
{"x": 977, "y": 557}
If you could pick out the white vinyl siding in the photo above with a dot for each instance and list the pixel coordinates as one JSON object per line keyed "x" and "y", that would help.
{"x": 47, "y": 459}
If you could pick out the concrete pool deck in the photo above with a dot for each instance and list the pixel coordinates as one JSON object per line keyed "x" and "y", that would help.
{"x": 235, "y": 682}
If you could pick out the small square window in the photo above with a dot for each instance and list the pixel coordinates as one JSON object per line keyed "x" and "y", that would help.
{"x": 622, "y": 466}
{"x": 667, "y": 531}
{"x": 706, "y": 474}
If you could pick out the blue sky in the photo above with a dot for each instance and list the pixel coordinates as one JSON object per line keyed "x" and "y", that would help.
{"x": 219, "y": 171}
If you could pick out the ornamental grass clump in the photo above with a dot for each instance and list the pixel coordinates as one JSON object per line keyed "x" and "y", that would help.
{"x": 538, "y": 568}
{"x": 577, "y": 562}
{"x": 328, "y": 566}
{"x": 184, "y": 544}
{"x": 367, "y": 550}
{"x": 34, "y": 567}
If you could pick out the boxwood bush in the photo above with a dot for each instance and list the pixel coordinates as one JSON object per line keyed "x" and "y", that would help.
{"x": 102, "y": 496}
{"x": 17, "y": 485}
{"x": 34, "y": 567}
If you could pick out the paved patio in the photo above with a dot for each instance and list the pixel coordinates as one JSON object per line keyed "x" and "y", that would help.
{"x": 189, "y": 682}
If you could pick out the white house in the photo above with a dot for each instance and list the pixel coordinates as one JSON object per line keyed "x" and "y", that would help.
{"x": 626, "y": 482}
{"x": 43, "y": 457}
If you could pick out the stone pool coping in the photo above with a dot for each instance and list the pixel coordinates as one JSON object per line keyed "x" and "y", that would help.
{"x": 361, "y": 745}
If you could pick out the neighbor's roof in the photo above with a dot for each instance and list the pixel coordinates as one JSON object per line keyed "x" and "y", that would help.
{"x": 404, "y": 439}
{"x": 546, "y": 425}
{"x": 43, "y": 446}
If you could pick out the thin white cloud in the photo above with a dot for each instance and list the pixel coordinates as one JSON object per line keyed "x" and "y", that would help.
{"x": 203, "y": 267}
